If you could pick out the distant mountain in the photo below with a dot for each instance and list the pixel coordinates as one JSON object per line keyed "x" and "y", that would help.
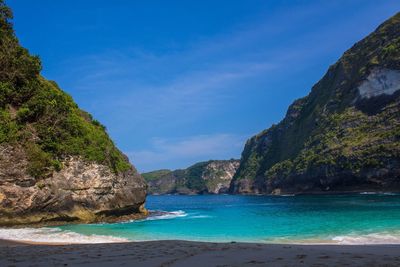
{"x": 56, "y": 162}
{"x": 343, "y": 136}
{"x": 210, "y": 177}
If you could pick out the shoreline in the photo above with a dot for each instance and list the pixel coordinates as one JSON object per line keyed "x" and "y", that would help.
{"x": 56, "y": 236}
{"x": 11, "y": 242}
{"x": 109, "y": 219}
{"x": 14, "y": 242}
{"x": 189, "y": 253}
{"x": 295, "y": 193}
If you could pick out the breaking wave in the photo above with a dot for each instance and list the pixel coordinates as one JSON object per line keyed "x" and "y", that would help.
{"x": 369, "y": 239}
{"x": 164, "y": 215}
{"x": 55, "y": 235}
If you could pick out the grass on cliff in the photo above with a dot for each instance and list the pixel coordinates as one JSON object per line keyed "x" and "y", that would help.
{"x": 350, "y": 140}
{"x": 155, "y": 175}
{"x": 321, "y": 129}
{"x": 38, "y": 115}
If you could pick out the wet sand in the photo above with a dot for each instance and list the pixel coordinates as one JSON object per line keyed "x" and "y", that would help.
{"x": 193, "y": 254}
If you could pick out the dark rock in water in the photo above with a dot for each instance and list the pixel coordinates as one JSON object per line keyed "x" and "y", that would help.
{"x": 57, "y": 164}
{"x": 210, "y": 177}
{"x": 343, "y": 136}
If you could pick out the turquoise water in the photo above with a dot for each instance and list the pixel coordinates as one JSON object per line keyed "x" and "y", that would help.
{"x": 362, "y": 218}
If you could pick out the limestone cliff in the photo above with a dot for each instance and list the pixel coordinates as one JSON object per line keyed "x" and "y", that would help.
{"x": 56, "y": 162}
{"x": 343, "y": 136}
{"x": 210, "y": 177}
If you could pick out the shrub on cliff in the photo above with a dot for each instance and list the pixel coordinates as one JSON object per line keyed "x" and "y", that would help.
{"x": 38, "y": 115}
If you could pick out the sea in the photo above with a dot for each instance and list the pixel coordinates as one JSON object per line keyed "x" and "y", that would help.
{"x": 350, "y": 219}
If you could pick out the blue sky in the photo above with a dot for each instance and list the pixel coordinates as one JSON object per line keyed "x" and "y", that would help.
{"x": 177, "y": 82}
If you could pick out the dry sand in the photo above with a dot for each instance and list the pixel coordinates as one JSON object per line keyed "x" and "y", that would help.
{"x": 192, "y": 254}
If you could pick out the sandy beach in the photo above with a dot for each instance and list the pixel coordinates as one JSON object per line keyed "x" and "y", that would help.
{"x": 184, "y": 253}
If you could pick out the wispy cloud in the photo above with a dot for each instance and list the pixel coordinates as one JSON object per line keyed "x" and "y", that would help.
{"x": 165, "y": 105}
{"x": 193, "y": 93}
{"x": 182, "y": 152}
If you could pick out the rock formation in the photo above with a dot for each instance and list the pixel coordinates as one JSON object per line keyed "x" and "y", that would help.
{"x": 57, "y": 164}
{"x": 210, "y": 177}
{"x": 343, "y": 136}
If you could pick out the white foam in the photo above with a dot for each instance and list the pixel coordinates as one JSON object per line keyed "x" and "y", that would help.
{"x": 200, "y": 216}
{"x": 55, "y": 235}
{"x": 368, "y": 239}
{"x": 368, "y": 193}
{"x": 167, "y": 215}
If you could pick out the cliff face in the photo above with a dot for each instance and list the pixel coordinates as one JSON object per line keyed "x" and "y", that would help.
{"x": 56, "y": 162}
{"x": 211, "y": 177}
{"x": 345, "y": 135}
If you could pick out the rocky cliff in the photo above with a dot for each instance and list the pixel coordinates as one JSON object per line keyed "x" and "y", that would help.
{"x": 211, "y": 177}
{"x": 56, "y": 162}
{"x": 343, "y": 136}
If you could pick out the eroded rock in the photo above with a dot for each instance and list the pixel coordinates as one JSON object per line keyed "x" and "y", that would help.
{"x": 81, "y": 191}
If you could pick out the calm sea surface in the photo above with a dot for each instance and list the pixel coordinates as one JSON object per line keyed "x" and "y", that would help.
{"x": 346, "y": 219}
{"x": 340, "y": 218}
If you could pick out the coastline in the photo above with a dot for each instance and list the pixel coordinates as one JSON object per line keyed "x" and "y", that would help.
{"x": 362, "y": 191}
{"x": 376, "y": 222}
{"x": 110, "y": 219}
{"x": 54, "y": 246}
{"x": 188, "y": 253}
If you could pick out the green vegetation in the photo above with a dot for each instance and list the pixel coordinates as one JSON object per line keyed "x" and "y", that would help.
{"x": 194, "y": 177}
{"x": 203, "y": 177}
{"x": 154, "y": 175}
{"x": 332, "y": 132}
{"x": 38, "y": 115}
{"x": 369, "y": 142}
